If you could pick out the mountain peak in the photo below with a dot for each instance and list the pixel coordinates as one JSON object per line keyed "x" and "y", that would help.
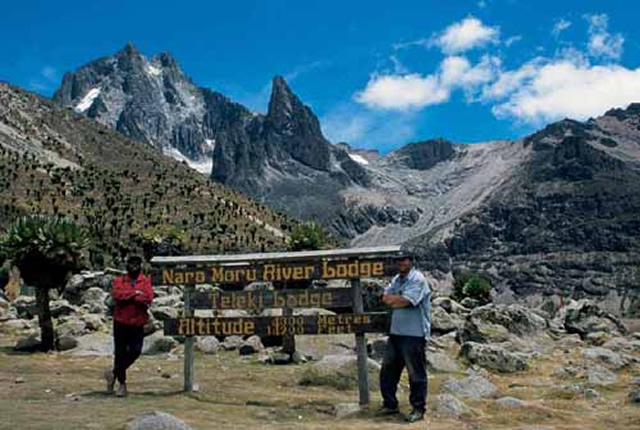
{"x": 129, "y": 49}
{"x": 283, "y": 100}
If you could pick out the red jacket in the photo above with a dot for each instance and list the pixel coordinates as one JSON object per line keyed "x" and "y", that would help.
{"x": 132, "y": 301}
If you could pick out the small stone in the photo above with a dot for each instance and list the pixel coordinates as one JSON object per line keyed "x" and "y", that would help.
{"x": 344, "y": 410}
{"x": 156, "y": 420}
{"x": 511, "y": 402}
{"x": 252, "y": 345}
{"x": 634, "y": 396}
{"x": 601, "y": 376}
{"x": 66, "y": 343}
{"x": 448, "y": 406}
{"x": 19, "y": 380}
{"x": 298, "y": 358}
{"x": 231, "y": 343}
{"x": 208, "y": 344}
{"x": 474, "y": 386}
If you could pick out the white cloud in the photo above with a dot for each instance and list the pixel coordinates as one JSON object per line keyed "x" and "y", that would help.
{"x": 544, "y": 90}
{"x": 401, "y": 92}
{"x": 572, "y": 82}
{"x": 601, "y": 42}
{"x": 559, "y": 26}
{"x": 414, "y": 91}
{"x": 465, "y": 35}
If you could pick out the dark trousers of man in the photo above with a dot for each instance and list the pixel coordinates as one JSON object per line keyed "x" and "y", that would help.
{"x": 401, "y": 352}
{"x": 128, "y": 346}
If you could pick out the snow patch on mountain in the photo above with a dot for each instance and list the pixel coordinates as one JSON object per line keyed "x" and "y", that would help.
{"x": 153, "y": 70}
{"x": 87, "y": 100}
{"x": 358, "y": 159}
{"x": 204, "y": 165}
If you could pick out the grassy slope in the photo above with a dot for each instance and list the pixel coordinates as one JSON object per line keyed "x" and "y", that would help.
{"x": 122, "y": 189}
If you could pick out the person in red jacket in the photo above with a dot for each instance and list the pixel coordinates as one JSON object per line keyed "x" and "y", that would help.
{"x": 132, "y": 295}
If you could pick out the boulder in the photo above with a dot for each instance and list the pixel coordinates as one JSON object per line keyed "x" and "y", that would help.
{"x": 494, "y": 357}
{"x": 442, "y": 322}
{"x": 634, "y": 396}
{"x": 158, "y": 343}
{"x": 65, "y": 343}
{"x": 498, "y": 323}
{"x": 339, "y": 372}
{"x": 231, "y": 343}
{"x": 94, "y": 322}
{"x": 94, "y": 344}
{"x": 584, "y": 317}
{"x": 25, "y": 307}
{"x": 173, "y": 301}
{"x": 79, "y": 283}
{"x": 276, "y": 357}
{"x": 600, "y": 376}
{"x": 16, "y": 325}
{"x": 474, "y": 386}
{"x": 73, "y": 327}
{"x": 252, "y": 345}
{"x": 441, "y": 362}
{"x": 449, "y": 305}
{"x": 208, "y": 344}
{"x": 94, "y": 299}
{"x": 605, "y": 356}
{"x": 448, "y": 406}
{"x": 29, "y": 343}
{"x": 62, "y": 308}
{"x": 162, "y": 313}
{"x": 344, "y": 410}
{"x": 156, "y": 420}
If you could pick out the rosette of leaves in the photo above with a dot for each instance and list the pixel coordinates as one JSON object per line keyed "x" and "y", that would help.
{"x": 46, "y": 250}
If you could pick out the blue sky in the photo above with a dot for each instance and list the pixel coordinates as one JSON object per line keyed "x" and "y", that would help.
{"x": 377, "y": 73}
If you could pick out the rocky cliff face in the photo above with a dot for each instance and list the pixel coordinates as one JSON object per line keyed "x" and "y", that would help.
{"x": 567, "y": 222}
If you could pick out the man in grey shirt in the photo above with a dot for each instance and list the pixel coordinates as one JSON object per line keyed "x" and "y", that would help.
{"x": 409, "y": 297}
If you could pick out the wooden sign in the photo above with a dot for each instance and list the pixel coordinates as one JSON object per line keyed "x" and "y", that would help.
{"x": 273, "y": 272}
{"x": 262, "y": 299}
{"x": 377, "y": 322}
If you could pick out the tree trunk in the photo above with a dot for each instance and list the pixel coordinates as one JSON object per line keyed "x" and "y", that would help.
{"x": 44, "y": 318}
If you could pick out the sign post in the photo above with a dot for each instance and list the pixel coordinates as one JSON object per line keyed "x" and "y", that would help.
{"x": 189, "y": 343}
{"x": 352, "y": 264}
{"x": 361, "y": 346}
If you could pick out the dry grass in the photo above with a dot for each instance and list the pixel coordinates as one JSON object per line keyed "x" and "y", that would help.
{"x": 60, "y": 391}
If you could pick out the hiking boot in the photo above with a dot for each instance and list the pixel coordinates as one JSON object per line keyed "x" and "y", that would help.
{"x": 110, "y": 379}
{"x": 414, "y": 415}
{"x": 122, "y": 390}
{"x": 386, "y": 411}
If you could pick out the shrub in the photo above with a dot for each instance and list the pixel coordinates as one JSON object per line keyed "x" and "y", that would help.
{"x": 472, "y": 285}
{"x": 307, "y": 236}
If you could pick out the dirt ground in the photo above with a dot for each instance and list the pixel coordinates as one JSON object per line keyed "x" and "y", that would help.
{"x": 59, "y": 391}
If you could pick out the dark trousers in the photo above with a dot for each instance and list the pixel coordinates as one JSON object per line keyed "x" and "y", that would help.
{"x": 128, "y": 346}
{"x": 401, "y": 352}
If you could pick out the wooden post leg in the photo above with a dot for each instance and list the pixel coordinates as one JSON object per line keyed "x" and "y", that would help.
{"x": 361, "y": 346}
{"x": 189, "y": 343}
